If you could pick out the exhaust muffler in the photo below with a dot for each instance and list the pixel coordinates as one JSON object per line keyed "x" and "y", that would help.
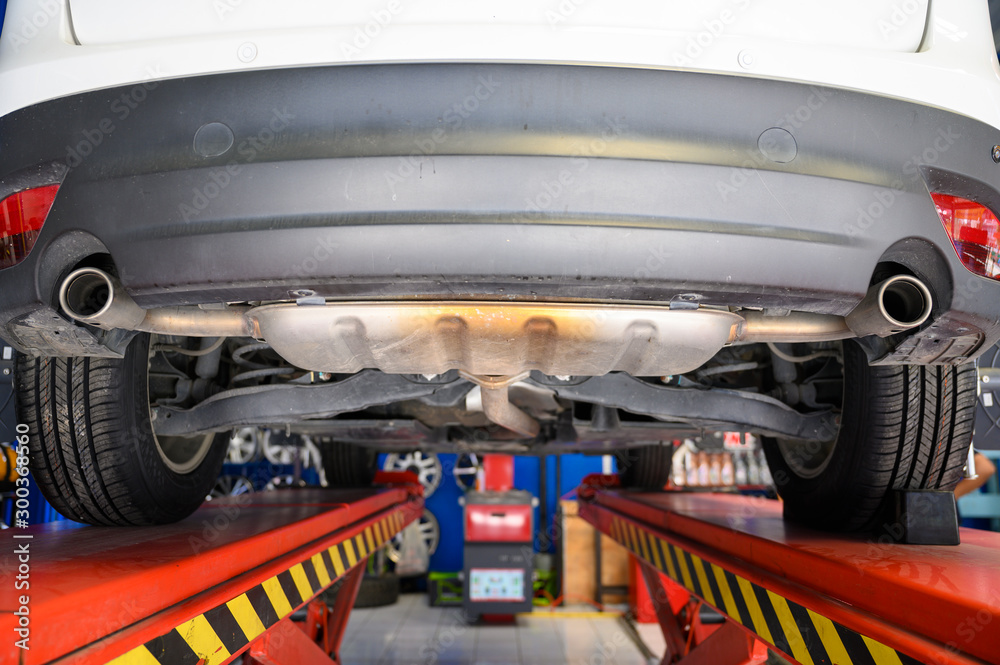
{"x": 502, "y": 338}
{"x": 493, "y": 341}
{"x": 493, "y": 338}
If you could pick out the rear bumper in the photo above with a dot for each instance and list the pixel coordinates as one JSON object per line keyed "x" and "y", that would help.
{"x": 556, "y": 183}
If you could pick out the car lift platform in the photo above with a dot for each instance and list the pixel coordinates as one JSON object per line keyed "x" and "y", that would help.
{"x": 223, "y": 582}
{"x": 813, "y": 597}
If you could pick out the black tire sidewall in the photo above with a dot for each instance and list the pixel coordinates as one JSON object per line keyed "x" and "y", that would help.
{"x": 378, "y": 591}
{"x": 347, "y": 464}
{"x": 832, "y": 499}
{"x": 897, "y": 431}
{"x": 161, "y": 494}
{"x": 646, "y": 467}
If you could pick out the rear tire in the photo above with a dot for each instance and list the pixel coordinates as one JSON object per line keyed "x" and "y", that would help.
{"x": 378, "y": 591}
{"x": 345, "y": 464}
{"x": 902, "y": 427}
{"x": 646, "y": 468}
{"x": 374, "y": 591}
{"x": 94, "y": 455}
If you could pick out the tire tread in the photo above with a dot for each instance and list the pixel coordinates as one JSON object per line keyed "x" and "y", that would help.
{"x": 90, "y": 459}
{"x": 903, "y": 428}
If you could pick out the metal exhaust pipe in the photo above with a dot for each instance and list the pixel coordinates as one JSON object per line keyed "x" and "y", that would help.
{"x": 493, "y": 338}
{"x": 93, "y": 296}
{"x": 891, "y": 306}
{"x": 497, "y": 407}
{"x": 795, "y": 327}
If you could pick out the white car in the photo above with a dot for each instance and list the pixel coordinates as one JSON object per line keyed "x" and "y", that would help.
{"x": 532, "y": 226}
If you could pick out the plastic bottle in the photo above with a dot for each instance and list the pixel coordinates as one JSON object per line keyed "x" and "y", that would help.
{"x": 728, "y": 473}
{"x": 715, "y": 470}
{"x": 702, "y": 469}
{"x": 741, "y": 468}
{"x": 678, "y": 472}
{"x": 753, "y": 470}
{"x": 765, "y": 472}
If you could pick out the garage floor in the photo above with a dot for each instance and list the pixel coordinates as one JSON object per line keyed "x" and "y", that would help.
{"x": 412, "y": 632}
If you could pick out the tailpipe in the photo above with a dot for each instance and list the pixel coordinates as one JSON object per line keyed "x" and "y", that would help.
{"x": 894, "y": 305}
{"x": 93, "y": 296}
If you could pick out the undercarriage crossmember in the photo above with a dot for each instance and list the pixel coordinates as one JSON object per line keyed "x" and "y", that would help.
{"x": 312, "y": 408}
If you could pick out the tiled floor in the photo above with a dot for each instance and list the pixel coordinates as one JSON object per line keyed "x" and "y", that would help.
{"x": 411, "y": 632}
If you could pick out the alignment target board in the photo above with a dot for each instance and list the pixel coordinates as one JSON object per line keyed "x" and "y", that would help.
{"x": 214, "y": 636}
{"x": 810, "y": 638}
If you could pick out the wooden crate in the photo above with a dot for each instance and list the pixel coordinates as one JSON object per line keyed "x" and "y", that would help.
{"x": 578, "y": 559}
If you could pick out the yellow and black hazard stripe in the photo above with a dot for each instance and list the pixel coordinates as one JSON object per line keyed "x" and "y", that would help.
{"x": 214, "y": 636}
{"x": 809, "y": 637}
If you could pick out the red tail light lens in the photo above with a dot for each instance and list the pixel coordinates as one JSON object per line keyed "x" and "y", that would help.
{"x": 974, "y": 231}
{"x": 21, "y": 218}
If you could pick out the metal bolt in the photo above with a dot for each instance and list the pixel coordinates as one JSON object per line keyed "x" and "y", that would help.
{"x": 302, "y": 293}
{"x": 996, "y": 154}
{"x": 986, "y": 377}
{"x": 6, "y": 371}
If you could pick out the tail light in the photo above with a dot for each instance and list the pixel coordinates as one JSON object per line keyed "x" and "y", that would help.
{"x": 974, "y": 231}
{"x": 21, "y": 218}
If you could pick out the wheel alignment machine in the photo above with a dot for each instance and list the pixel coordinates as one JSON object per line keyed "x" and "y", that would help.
{"x": 812, "y": 597}
{"x": 220, "y": 584}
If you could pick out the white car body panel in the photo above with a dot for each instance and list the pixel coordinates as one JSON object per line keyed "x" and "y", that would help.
{"x": 882, "y": 25}
{"x": 952, "y": 64}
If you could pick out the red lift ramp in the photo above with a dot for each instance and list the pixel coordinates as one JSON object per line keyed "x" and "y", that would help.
{"x": 221, "y": 583}
{"x": 812, "y": 596}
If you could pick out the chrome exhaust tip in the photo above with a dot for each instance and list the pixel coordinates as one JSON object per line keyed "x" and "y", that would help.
{"x": 93, "y": 296}
{"x": 891, "y": 306}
